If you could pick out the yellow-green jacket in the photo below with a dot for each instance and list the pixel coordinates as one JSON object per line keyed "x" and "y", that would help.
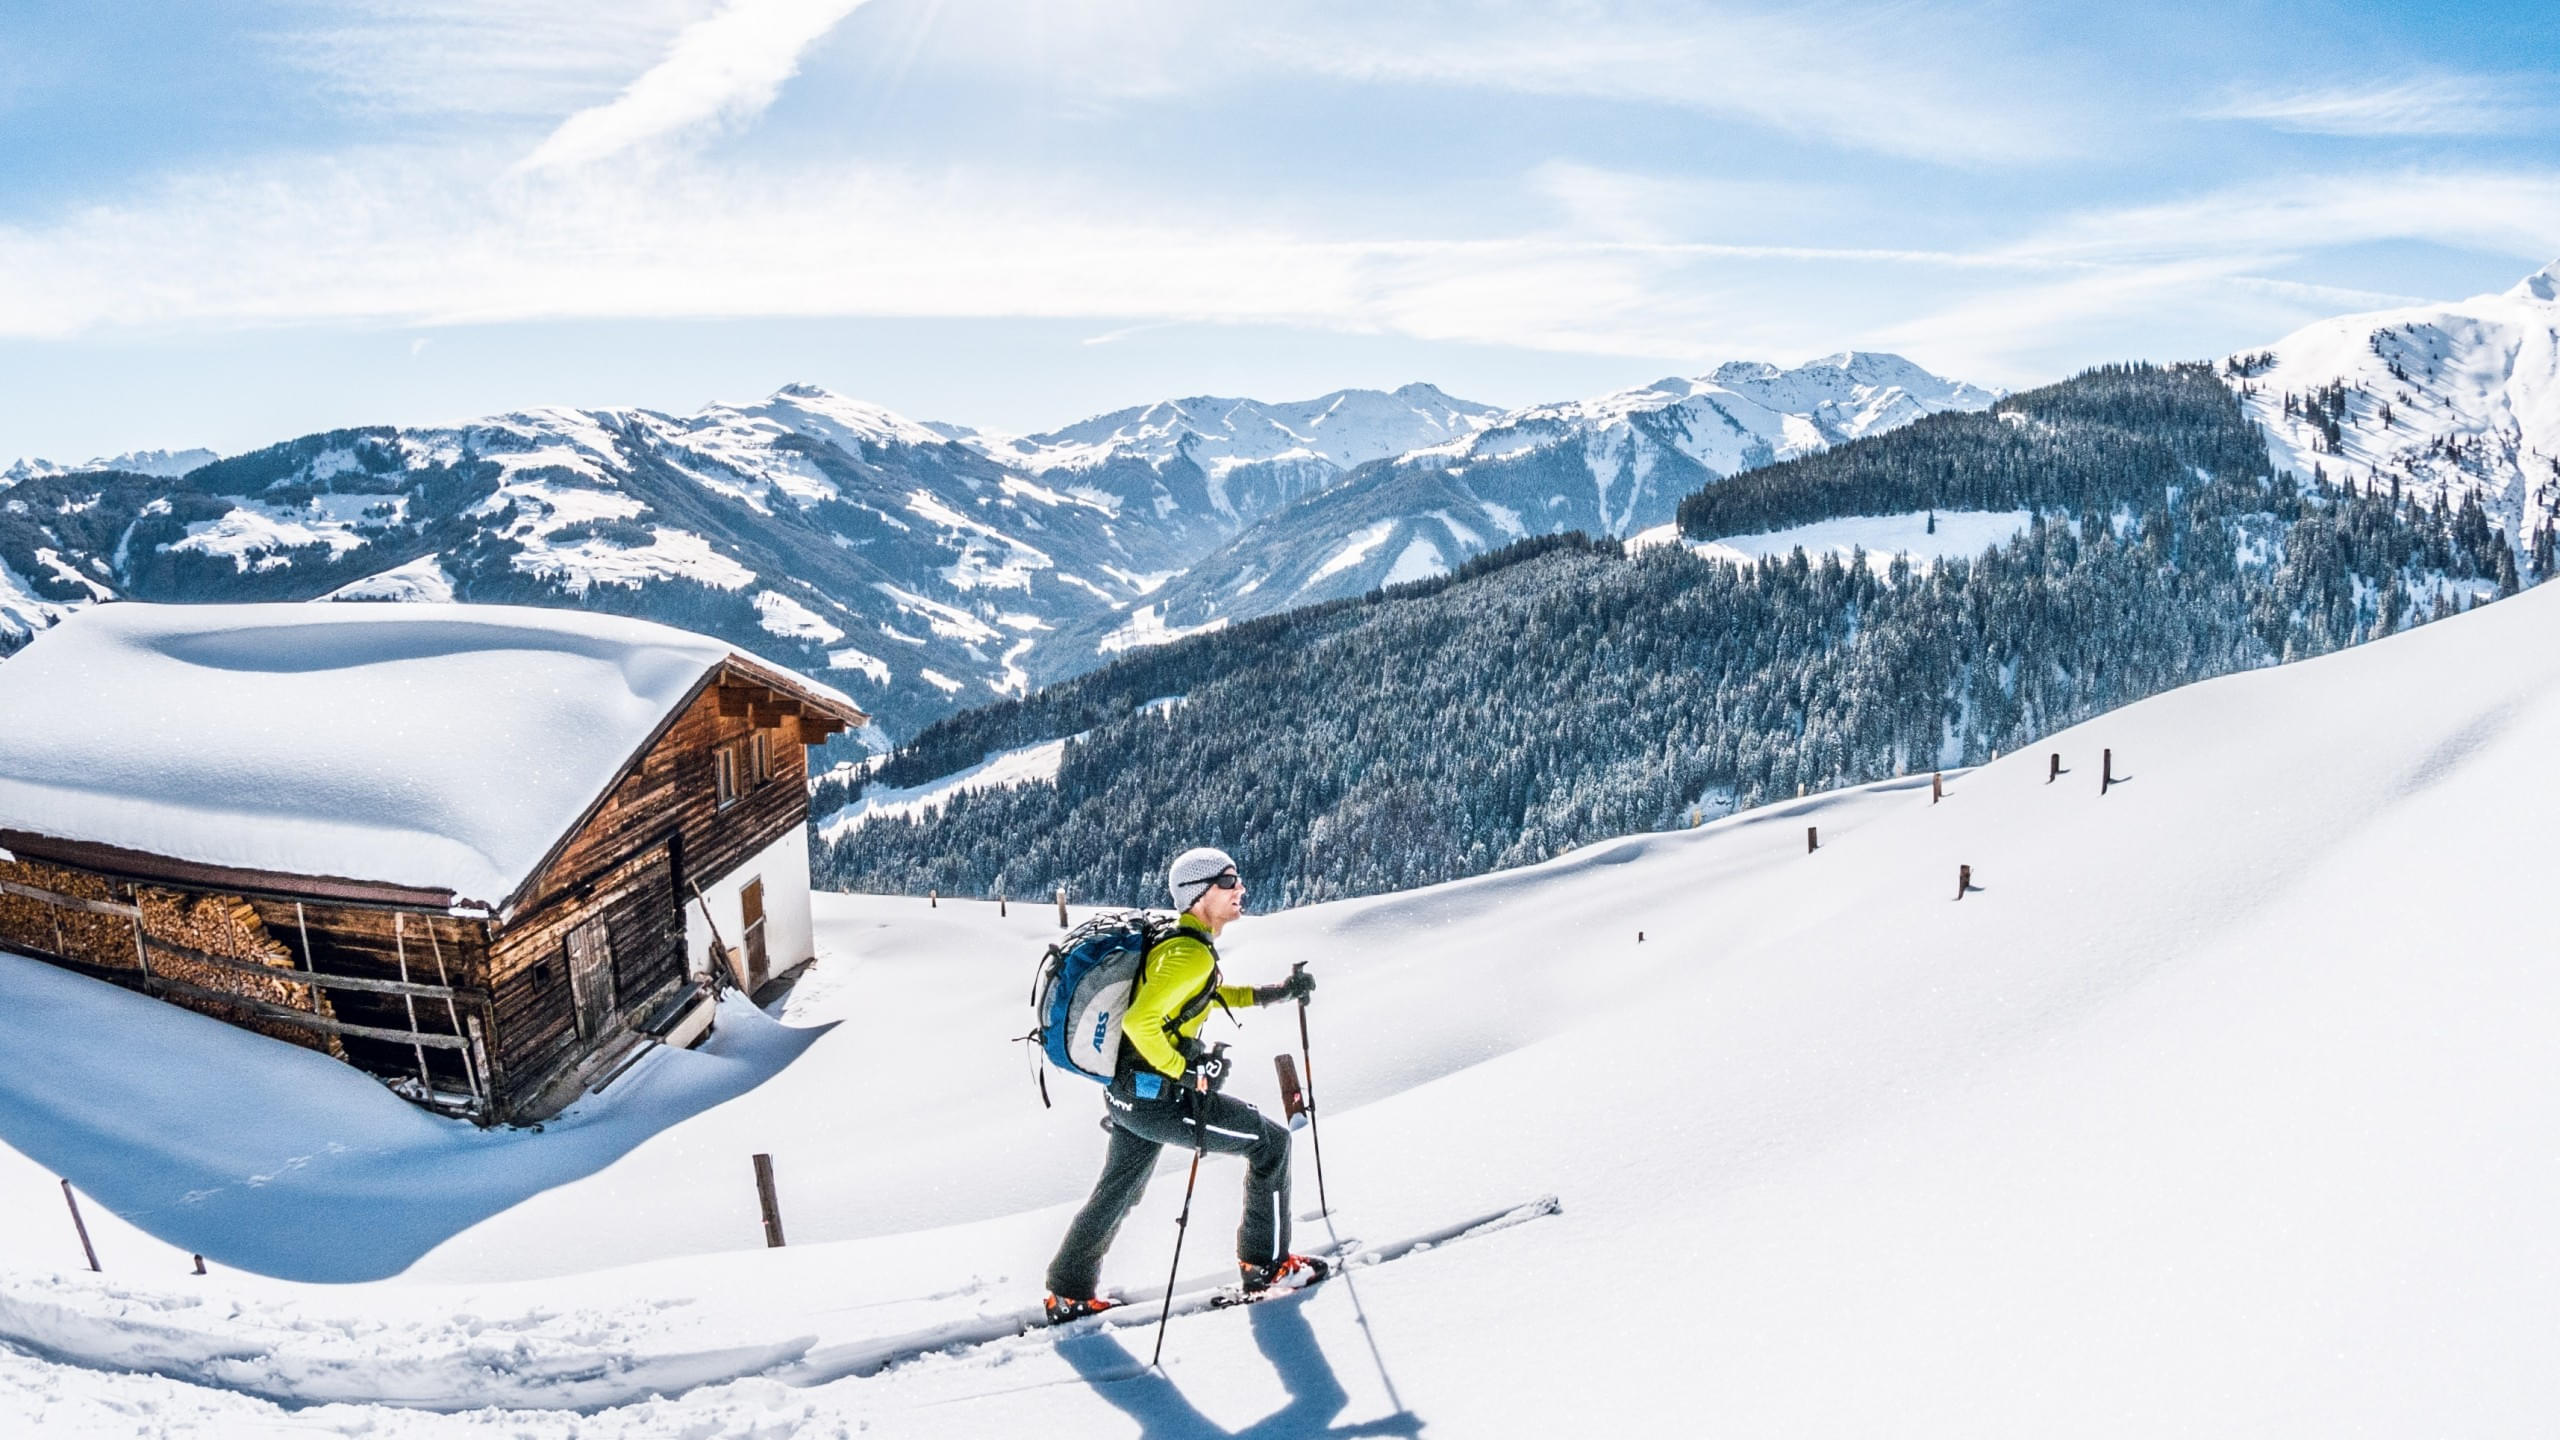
{"x": 1176, "y": 972}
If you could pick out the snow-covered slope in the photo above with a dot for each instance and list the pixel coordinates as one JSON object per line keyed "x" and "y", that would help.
{"x": 1199, "y": 469}
{"x": 1615, "y": 465}
{"x": 2220, "y": 1105}
{"x": 1745, "y": 414}
{"x": 1219, "y": 435}
{"x": 832, "y": 535}
{"x": 1921, "y": 538}
{"x": 2458, "y": 399}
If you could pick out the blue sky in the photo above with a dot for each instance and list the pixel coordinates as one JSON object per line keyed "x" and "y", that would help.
{"x": 224, "y": 222}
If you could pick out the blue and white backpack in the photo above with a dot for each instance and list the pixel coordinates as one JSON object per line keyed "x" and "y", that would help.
{"x": 1082, "y": 990}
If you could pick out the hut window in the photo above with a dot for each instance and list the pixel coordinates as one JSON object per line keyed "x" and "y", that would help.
{"x": 741, "y": 765}
{"x": 727, "y": 775}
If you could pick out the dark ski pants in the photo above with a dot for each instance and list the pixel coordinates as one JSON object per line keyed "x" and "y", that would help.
{"x": 1140, "y": 1129}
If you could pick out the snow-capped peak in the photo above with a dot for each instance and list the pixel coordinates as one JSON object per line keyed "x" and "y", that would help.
{"x": 817, "y": 409}
{"x": 1747, "y": 412}
{"x": 1339, "y": 430}
{"x": 165, "y": 463}
{"x": 2454, "y": 399}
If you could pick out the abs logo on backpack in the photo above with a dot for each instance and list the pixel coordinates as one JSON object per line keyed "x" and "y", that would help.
{"x": 1082, "y": 990}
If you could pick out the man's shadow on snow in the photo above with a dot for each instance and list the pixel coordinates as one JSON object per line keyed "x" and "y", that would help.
{"x": 1281, "y": 1332}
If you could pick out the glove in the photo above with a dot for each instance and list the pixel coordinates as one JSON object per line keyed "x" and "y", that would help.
{"x": 1208, "y": 1074}
{"x": 1298, "y": 986}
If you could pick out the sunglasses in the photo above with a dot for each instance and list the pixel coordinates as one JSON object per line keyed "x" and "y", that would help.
{"x": 1228, "y": 880}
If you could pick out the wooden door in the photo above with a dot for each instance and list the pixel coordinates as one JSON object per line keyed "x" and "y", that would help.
{"x": 751, "y": 910}
{"x": 591, "y": 976}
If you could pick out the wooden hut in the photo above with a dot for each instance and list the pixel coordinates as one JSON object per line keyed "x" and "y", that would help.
{"x": 486, "y": 853}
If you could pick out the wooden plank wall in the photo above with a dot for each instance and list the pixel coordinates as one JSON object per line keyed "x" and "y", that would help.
{"x": 671, "y": 792}
{"x": 536, "y": 1017}
{"x": 633, "y": 861}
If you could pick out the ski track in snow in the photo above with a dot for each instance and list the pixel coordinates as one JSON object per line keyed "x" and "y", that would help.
{"x": 2211, "y": 1109}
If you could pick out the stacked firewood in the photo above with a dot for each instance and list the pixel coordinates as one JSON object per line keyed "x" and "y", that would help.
{"x": 228, "y": 926}
{"x": 45, "y": 928}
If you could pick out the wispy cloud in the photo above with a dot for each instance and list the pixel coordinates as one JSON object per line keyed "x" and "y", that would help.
{"x": 2208, "y": 265}
{"x": 2420, "y": 105}
{"x": 721, "y": 70}
{"x": 405, "y": 238}
{"x": 477, "y": 59}
{"x": 1892, "y": 81}
{"x": 2508, "y": 212}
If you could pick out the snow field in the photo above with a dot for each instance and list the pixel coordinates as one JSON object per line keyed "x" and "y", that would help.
{"x": 2216, "y": 1108}
{"x": 1031, "y": 764}
{"x": 1963, "y": 533}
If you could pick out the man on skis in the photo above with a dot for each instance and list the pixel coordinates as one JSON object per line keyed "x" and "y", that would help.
{"x": 1165, "y": 1090}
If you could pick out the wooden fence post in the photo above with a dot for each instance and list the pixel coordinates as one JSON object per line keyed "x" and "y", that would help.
{"x": 2053, "y": 767}
{"x": 1964, "y": 880}
{"x": 933, "y": 899}
{"x": 1937, "y": 786}
{"x": 2106, "y": 770}
{"x": 1062, "y": 909}
{"x": 199, "y": 1264}
{"x": 1812, "y": 839}
{"x": 1000, "y": 910}
{"x": 765, "y": 1198}
{"x": 80, "y": 1225}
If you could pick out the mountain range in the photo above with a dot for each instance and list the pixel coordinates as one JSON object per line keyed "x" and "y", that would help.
{"x": 928, "y": 567}
{"x": 925, "y": 567}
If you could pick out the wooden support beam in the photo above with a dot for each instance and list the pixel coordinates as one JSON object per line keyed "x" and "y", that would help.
{"x": 305, "y": 977}
{"x": 305, "y": 1018}
{"x": 737, "y": 699}
{"x": 71, "y": 902}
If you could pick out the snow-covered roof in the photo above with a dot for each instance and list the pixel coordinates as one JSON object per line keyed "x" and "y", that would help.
{"x": 424, "y": 746}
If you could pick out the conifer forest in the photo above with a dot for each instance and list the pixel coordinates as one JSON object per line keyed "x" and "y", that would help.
{"x": 1565, "y": 690}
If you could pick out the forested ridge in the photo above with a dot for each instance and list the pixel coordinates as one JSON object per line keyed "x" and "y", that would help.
{"x": 1566, "y": 691}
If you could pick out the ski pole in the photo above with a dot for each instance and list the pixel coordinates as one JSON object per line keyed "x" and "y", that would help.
{"x": 1182, "y": 1223}
{"x": 1306, "y": 1056}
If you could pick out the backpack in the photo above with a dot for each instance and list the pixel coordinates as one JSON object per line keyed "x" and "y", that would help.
{"x": 1081, "y": 993}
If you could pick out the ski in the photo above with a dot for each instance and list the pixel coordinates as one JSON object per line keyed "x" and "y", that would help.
{"x": 860, "y": 1358}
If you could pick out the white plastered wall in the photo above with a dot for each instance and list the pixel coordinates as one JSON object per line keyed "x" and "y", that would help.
{"x": 789, "y": 938}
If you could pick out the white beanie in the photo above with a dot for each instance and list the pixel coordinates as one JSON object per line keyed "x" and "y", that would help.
{"x": 1192, "y": 871}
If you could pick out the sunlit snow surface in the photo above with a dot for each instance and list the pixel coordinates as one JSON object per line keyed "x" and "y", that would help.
{"x": 2220, "y": 1106}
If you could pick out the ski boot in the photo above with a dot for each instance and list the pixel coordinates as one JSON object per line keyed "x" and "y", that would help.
{"x": 1062, "y": 1311}
{"x": 1290, "y": 1272}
